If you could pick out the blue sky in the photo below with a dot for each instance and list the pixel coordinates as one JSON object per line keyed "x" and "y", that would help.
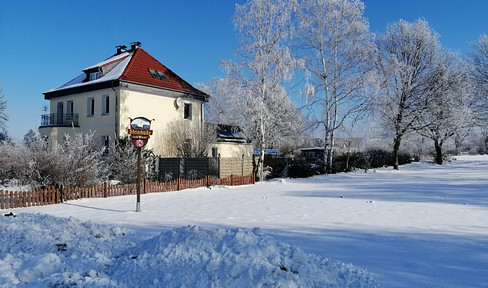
{"x": 44, "y": 44}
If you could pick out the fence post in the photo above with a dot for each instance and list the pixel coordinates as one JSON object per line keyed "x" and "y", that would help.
{"x": 218, "y": 166}
{"x": 105, "y": 189}
{"x": 61, "y": 193}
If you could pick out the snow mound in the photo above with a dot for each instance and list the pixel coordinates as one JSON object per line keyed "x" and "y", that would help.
{"x": 46, "y": 251}
{"x": 194, "y": 256}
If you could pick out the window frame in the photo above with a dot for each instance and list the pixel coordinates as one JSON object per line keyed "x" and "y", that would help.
{"x": 90, "y": 107}
{"x": 105, "y": 104}
{"x": 215, "y": 152}
{"x": 156, "y": 74}
{"x": 70, "y": 107}
{"x": 95, "y": 75}
{"x": 187, "y": 111}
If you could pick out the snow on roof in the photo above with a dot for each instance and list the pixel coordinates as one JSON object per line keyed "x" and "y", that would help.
{"x": 113, "y": 74}
{"x": 230, "y": 134}
{"x": 133, "y": 66}
{"x": 109, "y": 60}
{"x": 312, "y": 148}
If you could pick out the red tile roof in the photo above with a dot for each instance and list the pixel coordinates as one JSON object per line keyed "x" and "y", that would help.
{"x": 138, "y": 71}
{"x": 132, "y": 66}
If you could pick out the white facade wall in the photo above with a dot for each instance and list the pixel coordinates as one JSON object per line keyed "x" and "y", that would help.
{"x": 160, "y": 109}
{"x": 125, "y": 102}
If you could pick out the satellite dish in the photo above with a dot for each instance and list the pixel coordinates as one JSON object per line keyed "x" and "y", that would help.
{"x": 179, "y": 102}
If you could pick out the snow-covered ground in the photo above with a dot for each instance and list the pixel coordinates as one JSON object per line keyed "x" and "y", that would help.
{"x": 422, "y": 226}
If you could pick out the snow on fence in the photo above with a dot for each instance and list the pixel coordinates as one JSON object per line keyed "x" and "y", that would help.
{"x": 18, "y": 199}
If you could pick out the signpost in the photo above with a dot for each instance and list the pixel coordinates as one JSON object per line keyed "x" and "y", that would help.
{"x": 139, "y": 132}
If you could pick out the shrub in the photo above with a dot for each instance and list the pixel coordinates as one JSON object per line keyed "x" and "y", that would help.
{"x": 300, "y": 168}
{"x": 276, "y": 166}
{"x": 368, "y": 160}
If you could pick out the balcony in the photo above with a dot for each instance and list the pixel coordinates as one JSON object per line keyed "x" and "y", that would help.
{"x": 59, "y": 120}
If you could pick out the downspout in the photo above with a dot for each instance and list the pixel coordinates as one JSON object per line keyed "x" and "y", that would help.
{"x": 202, "y": 127}
{"x": 116, "y": 113}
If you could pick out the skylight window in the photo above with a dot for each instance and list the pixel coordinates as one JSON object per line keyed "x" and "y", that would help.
{"x": 161, "y": 75}
{"x": 157, "y": 74}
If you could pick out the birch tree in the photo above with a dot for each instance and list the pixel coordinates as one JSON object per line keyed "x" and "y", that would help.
{"x": 229, "y": 105}
{"x": 407, "y": 56}
{"x": 335, "y": 41}
{"x": 264, "y": 27}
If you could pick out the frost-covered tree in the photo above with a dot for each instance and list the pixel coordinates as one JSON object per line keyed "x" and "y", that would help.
{"x": 264, "y": 28}
{"x": 478, "y": 59}
{"x": 335, "y": 42}
{"x": 3, "y": 108}
{"x": 121, "y": 160}
{"x": 226, "y": 104}
{"x": 229, "y": 105}
{"x": 30, "y": 137}
{"x": 448, "y": 115}
{"x": 82, "y": 155}
{"x": 407, "y": 57}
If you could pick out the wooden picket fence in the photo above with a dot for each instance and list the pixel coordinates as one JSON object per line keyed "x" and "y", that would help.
{"x": 19, "y": 199}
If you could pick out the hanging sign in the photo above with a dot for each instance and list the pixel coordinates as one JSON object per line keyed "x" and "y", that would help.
{"x": 139, "y": 131}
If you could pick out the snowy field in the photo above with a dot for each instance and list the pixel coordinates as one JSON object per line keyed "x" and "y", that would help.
{"x": 422, "y": 226}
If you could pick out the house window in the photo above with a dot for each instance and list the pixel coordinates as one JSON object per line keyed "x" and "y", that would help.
{"x": 215, "y": 152}
{"x": 187, "y": 111}
{"x": 69, "y": 108}
{"x": 105, "y": 104}
{"x": 95, "y": 76}
{"x": 90, "y": 107}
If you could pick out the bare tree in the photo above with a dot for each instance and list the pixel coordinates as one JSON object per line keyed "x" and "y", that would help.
{"x": 182, "y": 139}
{"x": 407, "y": 56}
{"x": 265, "y": 61}
{"x": 336, "y": 43}
{"x": 3, "y": 115}
{"x": 449, "y": 114}
{"x": 478, "y": 58}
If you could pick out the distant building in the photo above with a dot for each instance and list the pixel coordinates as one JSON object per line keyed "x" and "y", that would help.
{"x": 230, "y": 142}
{"x": 313, "y": 155}
{"x": 270, "y": 152}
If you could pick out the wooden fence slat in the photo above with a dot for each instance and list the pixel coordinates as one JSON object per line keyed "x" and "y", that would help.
{"x": 52, "y": 195}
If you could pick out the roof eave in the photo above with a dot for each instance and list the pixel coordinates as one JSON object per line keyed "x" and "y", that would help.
{"x": 202, "y": 97}
{"x": 81, "y": 89}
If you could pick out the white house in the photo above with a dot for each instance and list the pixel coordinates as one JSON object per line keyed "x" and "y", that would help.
{"x": 129, "y": 84}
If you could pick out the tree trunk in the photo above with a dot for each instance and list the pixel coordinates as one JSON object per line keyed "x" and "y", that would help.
{"x": 328, "y": 167}
{"x": 486, "y": 144}
{"x": 438, "y": 152}
{"x": 396, "y": 149}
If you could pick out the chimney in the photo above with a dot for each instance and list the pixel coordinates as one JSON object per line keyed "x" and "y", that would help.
{"x": 121, "y": 49}
{"x": 135, "y": 45}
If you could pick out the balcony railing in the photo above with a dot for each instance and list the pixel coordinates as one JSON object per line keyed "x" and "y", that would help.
{"x": 59, "y": 120}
